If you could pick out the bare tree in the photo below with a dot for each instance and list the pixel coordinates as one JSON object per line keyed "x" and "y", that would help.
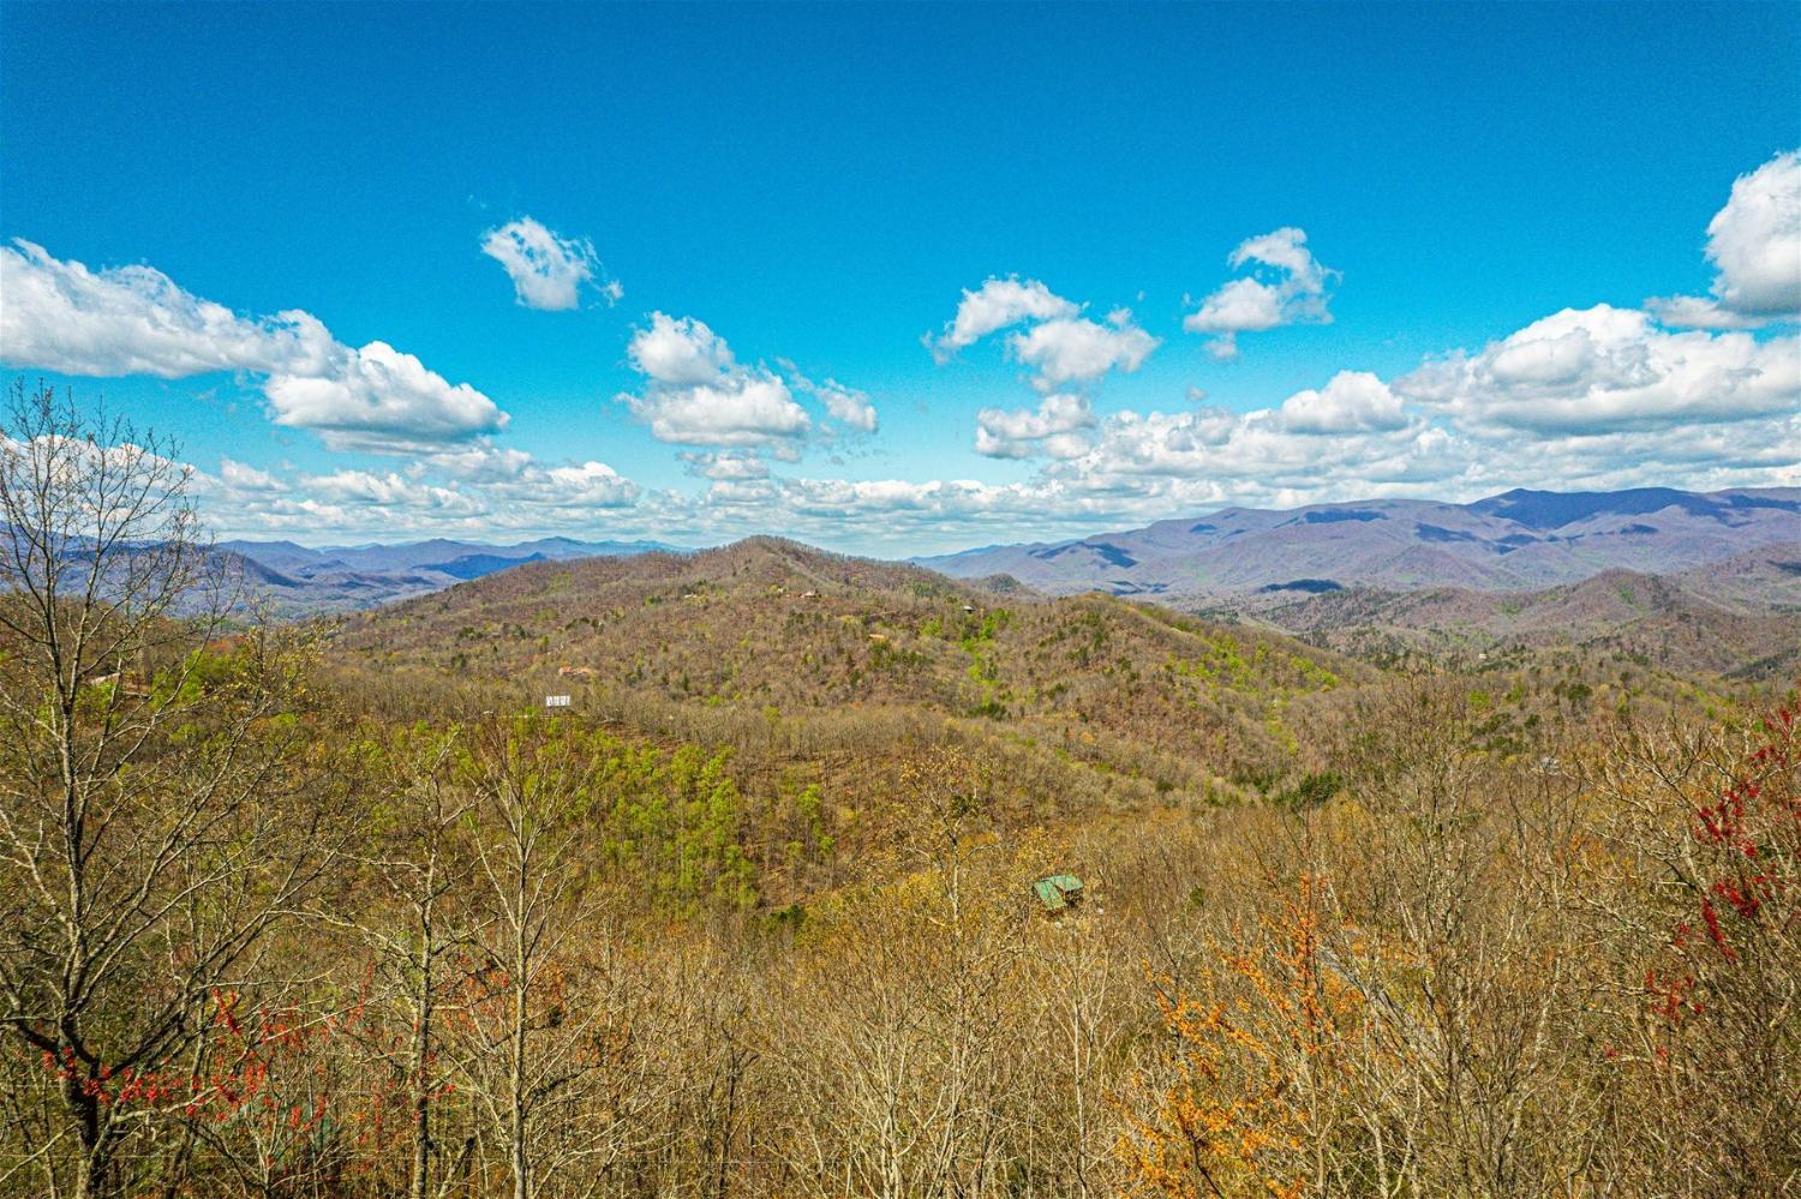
{"x": 546, "y": 1036}
{"x": 142, "y": 775}
{"x": 419, "y": 865}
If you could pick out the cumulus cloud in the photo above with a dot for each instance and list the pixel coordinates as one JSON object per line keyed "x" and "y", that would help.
{"x": 847, "y": 405}
{"x": 997, "y": 304}
{"x": 697, "y": 393}
{"x": 1605, "y": 368}
{"x": 548, "y": 271}
{"x": 1351, "y": 402}
{"x": 735, "y": 466}
{"x": 1293, "y": 290}
{"x": 1754, "y": 244}
{"x": 1051, "y": 430}
{"x": 1699, "y": 312}
{"x": 888, "y": 507}
{"x": 1597, "y": 399}
{"x": 480, "y": 462}
{"x": 1151, "y": 466}
{"x": 851, "y": 408}
{"x": 1064, "y": 348}
{"x": 1074, "y": 350}
{"x": 244, "y": 477}
{"x": 1760, "y": 452}
{"x": 1256, "y": 453}
{"x": 392, "y": 490}
{"x": 135, "y": 320}
{"x": 1352, "y": 437}
{"x": 1354, "y": 417}
{"x": 575, "y": 488}
{"x": 477, "y": 490}
{"x": 1682, "y": 395}
{"x": 740, "y": 410}
{"x": 378, "y": 398}
{"x": 679, "y": 351}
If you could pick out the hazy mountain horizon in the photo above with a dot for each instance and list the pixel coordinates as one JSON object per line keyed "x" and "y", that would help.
{"x": 1516, "y": 540}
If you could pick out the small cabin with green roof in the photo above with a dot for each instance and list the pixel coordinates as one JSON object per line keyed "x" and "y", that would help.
{"x": 1059, "y": 892}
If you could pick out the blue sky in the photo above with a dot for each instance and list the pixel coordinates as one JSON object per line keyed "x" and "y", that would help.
{"x": 1476, "y": 254}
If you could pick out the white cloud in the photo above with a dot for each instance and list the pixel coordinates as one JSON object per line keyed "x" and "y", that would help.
{"x": 1356, "y": 417}
{"x": 1760, "y": 452}
{"x": 1256, "y": 453}
{"x": 1075, "y": 350}
{"x": 1606, "y": 368}
{"x": 1243, "y": 305}
{"x": 136, "y": 321}
{"x": 548, "y": 271}
{"x": 726, "y": 466}
{"x": 1051, "y": 430}
{"x": 887, "y": 508}
{"x": 747, "y": 409}
{"x": 698, "y": 393}
{"x": 679, "y": 351}
{"x": 360, "y": 488}
{"x": 996, "y": 305}
{"x": 480, "y": 462}
{"x": 849, "y": 407}
{"x": 1582, "y": 399}
{"x": 1064, "y": 348}
{"x": 378, "y": 398}
{"x": 1352, "y": 402}
{"x": 471, "y": 491}
{"x": 1698, "y": 312}
{"x": 1754, "y": 243}
{"x": 573, "y": 488}
{"x": 1295, "y": 295}
{"x": 243, "y": 477}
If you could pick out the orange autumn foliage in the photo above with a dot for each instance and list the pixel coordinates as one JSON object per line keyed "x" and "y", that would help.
{"x": 1260, "y": 1046}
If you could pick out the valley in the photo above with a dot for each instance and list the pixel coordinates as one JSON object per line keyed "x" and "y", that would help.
{"x": 1078, "y": 889}
{"x": 764, "y": 600}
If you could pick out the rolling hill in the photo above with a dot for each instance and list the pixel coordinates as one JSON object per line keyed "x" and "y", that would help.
{"x": 791, "y": 655}
{"x": 1688, "y": 623}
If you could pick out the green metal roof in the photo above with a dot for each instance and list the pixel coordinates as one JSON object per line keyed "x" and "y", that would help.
{"x": 1057, "y": 891}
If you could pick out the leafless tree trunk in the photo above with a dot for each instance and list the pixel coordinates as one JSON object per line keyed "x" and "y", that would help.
{"x": 423, "y": 874}
{"x": 547, "y": 1025}
{"x": 140, "y": 784}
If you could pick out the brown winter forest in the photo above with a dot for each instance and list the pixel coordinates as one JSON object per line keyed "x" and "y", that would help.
{"x": 336, "y": 909}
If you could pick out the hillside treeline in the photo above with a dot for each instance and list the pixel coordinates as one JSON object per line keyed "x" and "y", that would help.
{"x": 272, "y": 930}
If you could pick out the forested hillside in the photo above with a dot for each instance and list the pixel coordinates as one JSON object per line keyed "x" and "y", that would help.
{"x": 1745, "y": 623}
{"x": 768, "y": 642}
{"x": 342, "y": 910}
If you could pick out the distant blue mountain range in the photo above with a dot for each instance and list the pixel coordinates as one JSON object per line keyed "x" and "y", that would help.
{"x": 298, "y": 578}
{"x": 1519, "y": 540}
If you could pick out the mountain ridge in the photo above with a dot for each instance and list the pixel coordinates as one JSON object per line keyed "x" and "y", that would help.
{"x": 300, "y": 579}
{"x": 1519, "y": 540}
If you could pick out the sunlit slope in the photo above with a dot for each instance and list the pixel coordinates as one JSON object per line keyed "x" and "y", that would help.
{"x": 770, "y": 631}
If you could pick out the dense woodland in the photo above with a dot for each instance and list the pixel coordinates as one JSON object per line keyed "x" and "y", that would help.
{"x": 339, "y": 910}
